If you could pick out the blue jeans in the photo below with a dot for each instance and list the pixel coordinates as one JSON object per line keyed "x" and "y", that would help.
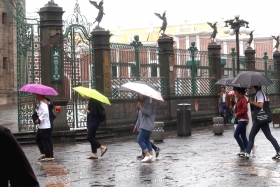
{"x": 266, "y": 130}
{"x": 143, "y": 140}
{"x": 241, "y": 131}
{"x": 224, "y": 110}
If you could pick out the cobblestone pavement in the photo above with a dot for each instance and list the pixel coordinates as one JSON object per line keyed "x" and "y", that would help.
{"x": 202, "y": 159}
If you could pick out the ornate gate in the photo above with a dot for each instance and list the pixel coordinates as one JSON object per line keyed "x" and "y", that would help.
{"x": 78, "y": 65}
{"x": 28, "y": 61}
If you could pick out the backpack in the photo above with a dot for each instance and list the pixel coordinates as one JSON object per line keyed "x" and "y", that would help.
{"x": 101, "y": 113}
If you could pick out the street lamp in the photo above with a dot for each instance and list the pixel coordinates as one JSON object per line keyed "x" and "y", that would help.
{"x": 237, "y": 26}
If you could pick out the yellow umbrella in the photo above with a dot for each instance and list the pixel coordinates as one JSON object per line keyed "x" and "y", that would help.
{"x": 92, "y": 93}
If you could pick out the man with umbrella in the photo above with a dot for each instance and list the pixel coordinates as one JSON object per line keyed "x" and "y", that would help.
{"x": 224, "y": 103}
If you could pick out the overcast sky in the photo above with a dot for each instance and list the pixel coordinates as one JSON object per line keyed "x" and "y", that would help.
{"x": 261, "y": 14}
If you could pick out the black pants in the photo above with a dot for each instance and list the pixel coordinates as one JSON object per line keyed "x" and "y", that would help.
{"x": 42, "y": 142}
{"x": 50, "y": 142}
{"x": 91, "y": 138}
{"x": 14, "y": 165}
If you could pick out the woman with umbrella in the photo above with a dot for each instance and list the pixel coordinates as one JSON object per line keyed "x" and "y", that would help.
{"x": 258, "y": 104}
{"x": 145, "y": 124}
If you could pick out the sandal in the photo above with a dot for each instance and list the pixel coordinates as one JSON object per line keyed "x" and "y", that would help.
{"x": 103, "y": 152}
{"x": 93, "y": 157}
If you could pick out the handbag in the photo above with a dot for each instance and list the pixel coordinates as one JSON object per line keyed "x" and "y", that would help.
{"x": 263, "y": 115}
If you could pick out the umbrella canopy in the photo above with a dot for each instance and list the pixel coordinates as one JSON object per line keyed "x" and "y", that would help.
{"x": 142, "y": 88}
{"x": 38, "y": 89}
{"x": 92, "y": 93}
{"x": 250, "y": 78}
{"x": 225, "y": 81}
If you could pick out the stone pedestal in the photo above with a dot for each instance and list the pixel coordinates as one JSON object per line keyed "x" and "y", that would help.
{"x": 215, "y": 61}
{"x": 101, "y": 39}
{"x": 158, "y": 133}
{"x": 166, "y": 57}
{"x": 60, "y": 111}
{"x": 218, "y": 127}
{"x": 250, "y": 58}
{"x": 51, "y": 38}
{"x": 276, "y": 57}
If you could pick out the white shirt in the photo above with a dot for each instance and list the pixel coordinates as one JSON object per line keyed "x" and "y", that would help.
{"x": 43, "y": 113}
{"x": 259, "y": 97}
{"x": 224, "y": 97}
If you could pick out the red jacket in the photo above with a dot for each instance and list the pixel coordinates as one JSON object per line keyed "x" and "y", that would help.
{"x": 241, "y": 109}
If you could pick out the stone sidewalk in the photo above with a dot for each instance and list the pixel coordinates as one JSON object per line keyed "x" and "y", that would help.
{"x": 202, "y": 159}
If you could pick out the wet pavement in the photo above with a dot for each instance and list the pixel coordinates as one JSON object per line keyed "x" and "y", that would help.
{"x": 202, "y": 159}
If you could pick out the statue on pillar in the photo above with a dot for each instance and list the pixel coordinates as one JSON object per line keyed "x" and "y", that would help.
{"x": 215, "y": 31}
{"x": 277, "y": 42}
{"x": 250, "y": 39}
{"x": 164, "y": 23}
{"x": 100, "y": 13}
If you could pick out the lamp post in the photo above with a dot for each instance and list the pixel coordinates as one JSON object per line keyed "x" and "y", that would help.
{"x": 237, "y": 26}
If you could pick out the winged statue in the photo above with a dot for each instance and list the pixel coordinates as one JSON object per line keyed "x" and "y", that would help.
{"x": 250, "y": 39}
{"x": 277, "y": 42}
{"x": 164, "y": 22}
{"x": 100, "y": 13}
{"x": 214, "y": 27}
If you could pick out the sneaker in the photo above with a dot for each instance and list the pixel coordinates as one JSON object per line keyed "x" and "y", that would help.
{"x": 147, "y": 159}
{"x": 140, "y": 157}
{"x": 242, "y": 152}
{"x": 246, "y": 155}
{"x": 157, "y": 151}
{"x": 41, "y": 157}
{"x": 277, "y": 156}
{"x": 253, "y": 151}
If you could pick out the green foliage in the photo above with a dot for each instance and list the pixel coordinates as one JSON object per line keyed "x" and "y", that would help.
{"x": 276, "y": 111}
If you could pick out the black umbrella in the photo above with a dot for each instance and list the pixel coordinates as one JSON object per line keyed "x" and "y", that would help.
{"x": 250, "y": 78}
{"x": 225, "y": 81}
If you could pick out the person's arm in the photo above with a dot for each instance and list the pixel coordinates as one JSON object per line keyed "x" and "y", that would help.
{"x": 260, "y": 99}
{"x": 92, "y": 109}
{"x": 147, "y": 109}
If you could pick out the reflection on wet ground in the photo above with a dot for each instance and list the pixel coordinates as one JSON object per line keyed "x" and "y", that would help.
{"x": 199, "y": 160}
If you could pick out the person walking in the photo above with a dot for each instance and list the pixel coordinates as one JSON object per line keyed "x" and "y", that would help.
{"x": 224, "y": 103}
{"x": 154, "y": 147}
{"x": 15, "y": 167}
{"x": 44, "y": 127}
{"x": 258, "y": 103}
{"x": 145, "y": 125}
{"x": 93, "y": 123}
{"x": 52, "y": 117}
{"x": 241, "y": 115}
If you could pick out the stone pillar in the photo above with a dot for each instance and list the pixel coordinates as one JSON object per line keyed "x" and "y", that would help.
{"x": 101, "y": 39}
{"x": 51, "y": 36}
{"x": 166, "y": 56}
{"x": 276, "y": 57}
{"x": 215, "y": 59}
{"x": 250, "y": 59}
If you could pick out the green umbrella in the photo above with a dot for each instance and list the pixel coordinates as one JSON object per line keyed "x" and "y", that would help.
{"x": 92, "y": 93}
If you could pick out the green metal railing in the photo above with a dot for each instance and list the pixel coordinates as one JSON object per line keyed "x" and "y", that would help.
{"x": 269, "y": 67}
{"x": 193, "y": 72}
{"x": 28, "y": 61}
{"x": 131, "y": 62}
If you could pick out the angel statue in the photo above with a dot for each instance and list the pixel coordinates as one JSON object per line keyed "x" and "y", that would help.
{"x": 214, "y": 27}
{"x": 100, "y": 13}
{"x": 164, "y": 23}
{"x": 277, "y": 42}
{"x": 250, "y": 39}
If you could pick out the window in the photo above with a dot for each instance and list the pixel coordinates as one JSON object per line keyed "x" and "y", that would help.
{"x": 113, "y": 70}
{"x": 5, "y": 63}
{"x": 154, "y": 70}
{"x": 4, "y": 18}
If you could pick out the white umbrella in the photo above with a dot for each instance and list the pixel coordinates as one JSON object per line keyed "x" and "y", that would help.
{"x": 144, "y": 89}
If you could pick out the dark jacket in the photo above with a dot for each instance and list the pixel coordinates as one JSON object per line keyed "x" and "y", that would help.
{"x": 14, "y": 164}
{"x": 241, "y": 109}
{"x": 92, "y": 116}
{"x": 51, "y": 114}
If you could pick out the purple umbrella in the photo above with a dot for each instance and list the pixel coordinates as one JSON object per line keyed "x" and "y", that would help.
{"x": 38, "y": 89}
